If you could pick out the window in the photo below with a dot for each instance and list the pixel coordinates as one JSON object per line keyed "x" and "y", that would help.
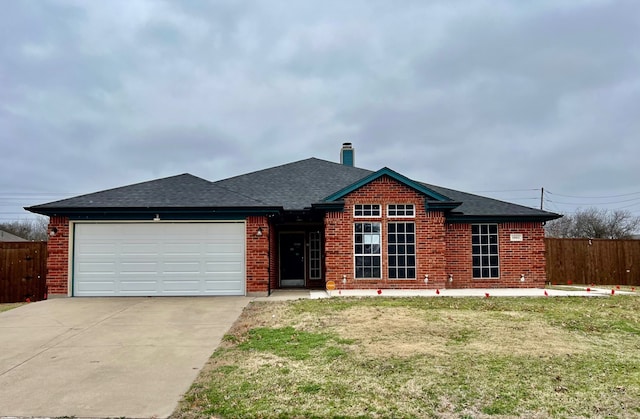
{"x": 484, "y": 242}
{"x": 400, "y": 210}
{"x": 401, "y": 250}
{"x": 367, "y": 250}
{"x": 315, "y": 259}
{"x": 366, "y": 210}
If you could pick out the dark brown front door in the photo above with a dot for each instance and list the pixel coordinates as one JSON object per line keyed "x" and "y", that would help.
{"x": 292, "y": 263}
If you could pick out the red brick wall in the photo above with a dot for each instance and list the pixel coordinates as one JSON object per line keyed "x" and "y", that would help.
{"x": 441, "y": 249}
{"x": 58, "y": 256}
{"x": 430, "y": 238}
{"x": 516, "y": 258}
{"x": 257, "y": 256}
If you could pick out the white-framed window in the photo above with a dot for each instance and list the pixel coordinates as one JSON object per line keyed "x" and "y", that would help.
{"x": 367, "y": 250}
{"x": 315, "y": 255}
{"x": 366, "y": 210}
{"x": 484, "y": 245}
{"x": 401, "y": 250}
{"x": 401, "y": 210}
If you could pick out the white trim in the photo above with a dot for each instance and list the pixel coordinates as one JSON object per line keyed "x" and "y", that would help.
{"x": 355, "y": 255}
{"x": 312, "y": 234}
{"x": 405, "y": 210}
{"x": 367, "y": 216}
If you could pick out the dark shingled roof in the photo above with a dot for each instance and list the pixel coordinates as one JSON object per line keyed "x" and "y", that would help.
{"x": 293, "y": 186}
{"x": 173, "y": 192}
{"x": 476, "y": 205}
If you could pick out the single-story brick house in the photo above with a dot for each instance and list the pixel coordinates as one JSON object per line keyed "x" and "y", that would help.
{"x": 301, "y": 224}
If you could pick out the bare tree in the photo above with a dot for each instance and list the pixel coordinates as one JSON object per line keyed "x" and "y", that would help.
{"x": 30, "y": 229}
{"x": 594, "y": 223}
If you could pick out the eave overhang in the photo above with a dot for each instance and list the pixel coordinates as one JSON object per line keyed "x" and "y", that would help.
{"x": 446, "y": 206}
{"x": 329, "y": 206}
{"x": 467, "y": 219}
{"x": 165, "y": 213}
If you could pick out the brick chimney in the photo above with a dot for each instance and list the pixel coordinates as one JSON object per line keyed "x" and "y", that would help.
{"x": 347, "y": 155}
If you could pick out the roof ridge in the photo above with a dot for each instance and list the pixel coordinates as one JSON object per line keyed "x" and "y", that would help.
{"x": 280, "y": 166}
{"x": 262, "y": 170}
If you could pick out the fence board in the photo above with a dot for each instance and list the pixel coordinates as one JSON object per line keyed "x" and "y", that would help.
{"x": 593, "y": 261}
{"x": 23, "y": 267}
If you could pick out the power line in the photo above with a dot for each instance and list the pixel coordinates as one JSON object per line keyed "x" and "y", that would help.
{"x": 593, "y": 203}
{"x": 507, "y": 190}
{"x": 594, "y": 197}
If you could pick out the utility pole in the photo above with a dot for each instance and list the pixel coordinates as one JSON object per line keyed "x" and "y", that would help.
{"x": 542, "y": 198}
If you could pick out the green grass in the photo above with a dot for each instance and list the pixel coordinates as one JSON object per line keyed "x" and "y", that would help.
{"x": 290, "y": 343}
{"x": 9, "y": 306}
{"x": 426, "y": 357}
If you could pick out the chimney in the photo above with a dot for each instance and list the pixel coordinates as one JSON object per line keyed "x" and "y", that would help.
{"x": 347, "y": 155}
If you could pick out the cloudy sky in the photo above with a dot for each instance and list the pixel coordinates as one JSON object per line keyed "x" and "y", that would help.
{"x": 497, "y": 97}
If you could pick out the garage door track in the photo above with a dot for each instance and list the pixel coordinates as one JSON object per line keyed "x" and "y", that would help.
{"x": 108, "y": 357}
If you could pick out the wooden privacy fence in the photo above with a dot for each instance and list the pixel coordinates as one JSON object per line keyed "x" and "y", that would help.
{"x": 23, "y": 267}
{"x": 593, "y": 261}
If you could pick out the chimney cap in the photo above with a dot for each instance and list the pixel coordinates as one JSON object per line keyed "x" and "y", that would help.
{"x": 347, "y": 154}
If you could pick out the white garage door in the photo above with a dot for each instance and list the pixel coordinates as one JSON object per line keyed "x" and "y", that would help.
{"x": 136, "y": 259}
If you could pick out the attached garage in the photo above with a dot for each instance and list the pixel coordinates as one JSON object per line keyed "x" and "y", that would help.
{"x": 158, "y": 259}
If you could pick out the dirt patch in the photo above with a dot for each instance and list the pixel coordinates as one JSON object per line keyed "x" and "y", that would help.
{"x": 406, "y": 332}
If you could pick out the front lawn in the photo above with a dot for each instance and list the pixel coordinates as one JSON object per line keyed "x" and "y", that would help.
{"x": 426, "y": 357}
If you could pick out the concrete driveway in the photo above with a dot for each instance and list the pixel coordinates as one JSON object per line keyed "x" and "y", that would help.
{"x": 107, "y": 357}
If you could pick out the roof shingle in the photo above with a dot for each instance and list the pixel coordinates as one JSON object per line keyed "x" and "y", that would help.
{"x": 292, "y": 186}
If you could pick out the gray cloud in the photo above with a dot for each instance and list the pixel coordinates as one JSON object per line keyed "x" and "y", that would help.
{"x": 473, "y": 95}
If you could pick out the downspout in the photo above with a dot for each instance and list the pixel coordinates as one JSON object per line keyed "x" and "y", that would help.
{"x": 269, "y": 226}
{"x": 269, "y": 262}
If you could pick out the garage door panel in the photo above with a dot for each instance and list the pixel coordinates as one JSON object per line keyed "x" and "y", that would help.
{"x": 159, "y": 259}
{"x": 220, "y": 271}
{"x": 187, "y": 268}
{"x": 223, "y": 287}
{"x": 138, "y": 268}
{"x": 138, "y": 285}
{"x": 181, "y": 285}
{"x": 97, "y": 267}
{"x": 98, "y": 287}
{"x": 139, "y": 249}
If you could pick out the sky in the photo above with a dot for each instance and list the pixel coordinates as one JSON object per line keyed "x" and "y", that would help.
{"x": 497, "y": 97}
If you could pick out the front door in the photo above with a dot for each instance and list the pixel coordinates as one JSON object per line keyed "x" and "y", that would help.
{"x": 292, "y": 265}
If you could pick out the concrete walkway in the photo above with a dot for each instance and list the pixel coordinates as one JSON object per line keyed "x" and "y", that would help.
{"x": 107, "y": 357}
{"x": 280, "y": 295}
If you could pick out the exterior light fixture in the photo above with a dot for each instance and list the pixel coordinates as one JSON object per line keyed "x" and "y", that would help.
{"x": 521, "y": 277}
{"x": 259, "y": 232}
{"x": 344, "y": 279}
{"x": 426, "y": 278}
{"x": 156, "y": 218}
{"x": 450, "y": 278}
{"x": 53, "y": 232}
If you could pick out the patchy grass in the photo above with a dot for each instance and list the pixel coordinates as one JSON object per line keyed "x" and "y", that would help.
{"x": 9, "y": 306}
{"x": 426, "y": 357}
